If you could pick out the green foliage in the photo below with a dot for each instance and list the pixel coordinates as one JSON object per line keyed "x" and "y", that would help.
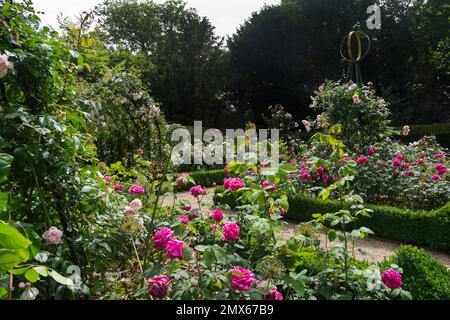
{"x": 424, "y": 277}
{"x": 209, "y": 178}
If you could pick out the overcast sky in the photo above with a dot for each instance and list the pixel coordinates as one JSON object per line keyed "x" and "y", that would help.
{"x": 225, "y": 15}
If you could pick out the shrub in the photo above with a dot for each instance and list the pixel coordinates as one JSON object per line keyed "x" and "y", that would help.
{"x": 423, "y": 277}
{"x": 209, "y": 178}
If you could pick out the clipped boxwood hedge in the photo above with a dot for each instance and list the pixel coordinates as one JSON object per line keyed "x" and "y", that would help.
{"x": 423, "y": 277}
{"x": 426, "y": 228}
{"x": 210, "y": 178}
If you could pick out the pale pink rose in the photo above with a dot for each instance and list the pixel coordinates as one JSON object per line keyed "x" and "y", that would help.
{"x": 405, "y": 130}
{"x": 136, "y": 204}
{"x": 5, "y": 65}
{"x": 357, "y": 99}
{"x": 52, "y": 235}
{"x": 129, "y": 211}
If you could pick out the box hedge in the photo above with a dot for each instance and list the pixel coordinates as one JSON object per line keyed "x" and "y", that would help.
{"x": 423, "y": 277}
{"x": 426, "y": 228}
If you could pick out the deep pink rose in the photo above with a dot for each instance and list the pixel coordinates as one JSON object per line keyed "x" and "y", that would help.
{"x": 269, "y": 186}
{"x": 274, "y": 294}
{"x": 396, "y": 162}
{"x": 52, "y": 235}
{"x": 161, "y": 237}
{"x": 371, "y": 151}
{"x": 184, "y": 219}
{"x": 441, "y": 168}
{"x": 392, "y": 279}
{"x": 158, "y": 286}
{"x": 198, "y": 191}
{"x": 304, "y": 175}
{"x": 409, "y": 173}
{"x": 320, "y": 170}
{"x": 439, "y": 155}
{"x": 405, "y": 166}
{"x": 136, "y": 189}
{"x": 186, "y": 207}
{"x": 118, "y": 187}
{"x": 362, "y": 160}
{"x": 225, "y": 170}
{"x": 233, "y": 184}
{"x": 174, "y": 248}
{"x": 241, "y": 279}
{"x": 436, "y": 177}
{"x": 217, "y": 215}
{"x": 325, "y": 178}
{"x": 231, "y": 231}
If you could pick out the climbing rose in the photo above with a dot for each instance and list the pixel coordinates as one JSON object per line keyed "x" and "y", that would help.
{"x": 217, "y": 215}
{"x": 392, "y": 279}
{"x": 158, "y": 286}
{"x": 405, "y": 130}
{"x": 357, "y": 99}
{"x": 231, "y": 231}
{"x": 269, "y": 186}
{"x": 118, "y": 187}
{"x": 161, "y": 237}
{"x": 5, "y": 65}
{"x": 198, "y": 191}
{"x": 136, "y": 204}
{"x": 274, "y": 294}
{"x": 241, "y": 279}
{"x": 436, "y": 177}
{"x": 136, "y": 189}
{"x": 371, "y": 151}
{"x": 174, "y": 248}
{"x": 233, "y": 184}
{"x": 362, "y": 160}
{"x": 184, "y": 219}
{"x": 52, "y": 235}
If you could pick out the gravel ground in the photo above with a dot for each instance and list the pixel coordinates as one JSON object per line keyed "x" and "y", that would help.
{"x": 376, "y": 249}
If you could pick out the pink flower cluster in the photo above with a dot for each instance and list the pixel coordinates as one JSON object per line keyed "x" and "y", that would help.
{"x": 241, "y": 279}
{"x": 198, "y": 191}
{"x": 392, "y": 279}
{"x": 233, "y": 184}
{"x": 52, "y": 235}
{"x": 269, "y": 186}
{"x": 231, "y": 231}
{"x": 163, "y": 239}
{"x": 362, "y": 160}
{"x": 158, "y": 286}
{"x": 441, "y": 168}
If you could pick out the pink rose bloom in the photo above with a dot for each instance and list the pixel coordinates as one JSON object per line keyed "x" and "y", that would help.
{"x": 161, "y": 237}
{"x": 269, "y": 186}
{"x": 320, "y": 170}
{"x": 129, "y": 211}
{"x": 108, "y": 179}
{"x": 405, "y": 166}
{"x": 322, "y": 88}
{"x": 118, "y": 187}
{"x": 421, "y": 155}
{"x": 346, "y": 159}
{"x": 362, "y": 160}
{"x": 424, "y": 138}
{"x": 399, "y": 157}
{"x": 436, "y": 177}
{"x": 325, "y": 178}
{"x": 392, "y": 279}
{"x": 274, "y": 294}
{"x": 182, "y": 179}
{"x": 241, "y": 279}
{"x": 215, "y": 227}
{"x": 439, "y": 155}
{"x": 421, "y": 161}
{"x": 357, "y": 99}
{"x": 52, "y": 235}
{"x": 304, "y": 175}
{"x": 198, "y": 191}
{"x": 396, "y": 162}
{"x": 409, "y": 173}
{"x": 174, "y": 248}
{"x": 158, "y": 286}
{"x": 193, "y": 216}
{"x": 233, "y": 184}
{"x": 217, "y": 215}
{"x": 441, "y": 168}
{"x": 184, "y": 219}
{"x": 136, "y": 189}
{"x": 231, "y": 231}
{"x": 414, "y": 164}
{"x": 136, "y": 204}
{"x": 371, "y": 151}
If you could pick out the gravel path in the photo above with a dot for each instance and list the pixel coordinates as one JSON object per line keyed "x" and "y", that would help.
{"x": 376, "y": 248}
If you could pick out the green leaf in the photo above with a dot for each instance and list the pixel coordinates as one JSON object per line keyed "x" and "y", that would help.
{"x": 10, "y": 238}
{"x": 8, "y": 260}
{"x": 209, "y": 257}
{"x": 3, "y": 200}
{"x": 5, "y": 166}
{"x": 61, "y": 279}
{"x": 42, "y": 270}
{"x": 31, "y": 275}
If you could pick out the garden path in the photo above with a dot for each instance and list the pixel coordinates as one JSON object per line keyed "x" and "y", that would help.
{"x": 376, "y": 248}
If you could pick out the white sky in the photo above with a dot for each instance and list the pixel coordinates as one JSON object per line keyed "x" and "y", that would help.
{"x": 225, "y": 15}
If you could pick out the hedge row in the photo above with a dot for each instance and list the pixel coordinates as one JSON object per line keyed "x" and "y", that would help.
{"x": 426, "y": 228}
{"x": 210, "y": 178}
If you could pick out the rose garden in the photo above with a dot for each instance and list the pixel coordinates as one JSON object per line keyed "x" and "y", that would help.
{"x": 92, "y": 207}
